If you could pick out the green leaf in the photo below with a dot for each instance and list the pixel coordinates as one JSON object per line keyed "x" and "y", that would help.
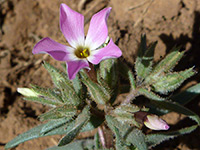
{"x": 76, "y": 82}
{"x": 132, "y": 80}
{"x": 155, "y": 139}
{"x": 143, "y": 46}
{"x": 113, "y": 124}
{"x": 173, "y": 106}
{"x": 120, "y": 143}
{"x": 168, "y": 63}
{"x": 49, "y": 93}
{"x": 98, "y": 93}
{"x": 43, "y": 100}
{"x": 125, "y": 114}
{"x": 53, "y": 128}
{"x": 57, "y": 75}
{"x": 69, "y": 94}
{"x": 187, "y": 95}
{"x": 171, "y": 81}
{"x": 109, "y": 72}
{"x": 77, "y": 145}
{"x": 137, "y": 138}
{"x": 68, "y": 111}
{"x": 80, "y": 121}
{"x": 144, "y": 60}
{"x": 150, "y": 94}
{"x": 62, "y": 82}
{"x": 123, "y": 69}
{"x": 51, "y": 125}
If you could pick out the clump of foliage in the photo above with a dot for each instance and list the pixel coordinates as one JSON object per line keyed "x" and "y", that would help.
{"x": 89, "y": 103}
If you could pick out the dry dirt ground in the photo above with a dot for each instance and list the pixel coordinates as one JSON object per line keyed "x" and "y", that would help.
{"x": 24, "y": 22}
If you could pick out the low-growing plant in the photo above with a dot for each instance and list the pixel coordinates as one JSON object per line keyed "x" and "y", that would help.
{"x": 85, "y": 100}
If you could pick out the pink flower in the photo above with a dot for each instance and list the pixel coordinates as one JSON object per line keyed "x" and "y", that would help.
{"x": 155, "y": 123}
{"x": 83, "y": 50}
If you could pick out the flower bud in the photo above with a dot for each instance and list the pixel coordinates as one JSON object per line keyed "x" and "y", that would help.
{"x": 27, "y": 92}
{"x": 155, "y": 123}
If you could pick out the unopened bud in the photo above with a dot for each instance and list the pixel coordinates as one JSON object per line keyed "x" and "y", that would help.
{"x": 155, "y": 123}
{"x": 27, "y": 92}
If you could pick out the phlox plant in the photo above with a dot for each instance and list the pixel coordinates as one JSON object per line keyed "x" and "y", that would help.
{"x": 85, "y": 93}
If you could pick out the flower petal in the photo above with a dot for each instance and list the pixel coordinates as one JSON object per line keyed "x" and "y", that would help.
{"x": 98, "y": 31}
{"x": 110, "y": 51}
{"x": 73, "y": 67}
{"x": 72, "y": 25}
{"x": 56, "y": 50}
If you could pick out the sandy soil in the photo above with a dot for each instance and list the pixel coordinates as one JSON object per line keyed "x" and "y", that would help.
{"x": 24, "y": 22}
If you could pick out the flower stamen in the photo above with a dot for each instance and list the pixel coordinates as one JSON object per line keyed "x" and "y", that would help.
{"x": 82, "y": 52}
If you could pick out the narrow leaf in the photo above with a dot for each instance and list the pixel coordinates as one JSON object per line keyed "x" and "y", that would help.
{"x": 77, "y": 145}
{"x": 144, "y": 62}
{"x": 67, "y": 111}
{"x": 56, "y": 128}
{"x": 187, "y": 95}
{"x": 46, "y": 92}
{"x": 51, "y": 125}
{"x": 173, "y": 106}
{"x": 125, "y": 114}
{"x": 108, "y": 72}
{"x": 137, "y": 138}
{"x": 155, "y": 139}
{"x": 112, "y": 123}
{"x": 69, "y": 94}
{"x": 143, "y": 46}
{"x": 168, "y": 63}
{"x": 76, "y": 82}
{"x": 56, "y": 74}
{"x": 43, "y": 100}
{"x": 114, "y": 126}
{"x": 120, "y": 143}
{"x": 98, "y": 93}
{"x": 170, "y": 82}
{"x": 131, "y": 80}
{"x": 80, "y": 121}
{"x": 124, "y": 69}
{"x": 150, "y": 94}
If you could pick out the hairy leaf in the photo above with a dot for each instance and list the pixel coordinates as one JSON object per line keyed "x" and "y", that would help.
{"x": 155, "y": 139}
{"x": 98, "y": 93}
{"x": 53, "y": 128}
{"x": 173, "y": 106}
{"x": 69, "y": 94}
{"x": 80, "y": 121}
{"x": 131, "y": 80}
{"x": 109, "y": 72}
{"x": 56, "y": 74}
{"x": 150, "y": 94}
{"x": 144, "y": 60}
{"x": 171, "y": 81}
{"x": 49, "y": 93}
{"x": 187, "y": 95}
{"x": 76, "y": 145}
{"x": 76, "y": 82}
{"x": 43, "y": 100}
{"x": 137, "y": 138}
{"x": 65, "y": 111}
{"x": 168, "y": 63}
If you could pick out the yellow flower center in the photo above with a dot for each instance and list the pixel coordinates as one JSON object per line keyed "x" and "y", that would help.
{"x": 82, "y": 52}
